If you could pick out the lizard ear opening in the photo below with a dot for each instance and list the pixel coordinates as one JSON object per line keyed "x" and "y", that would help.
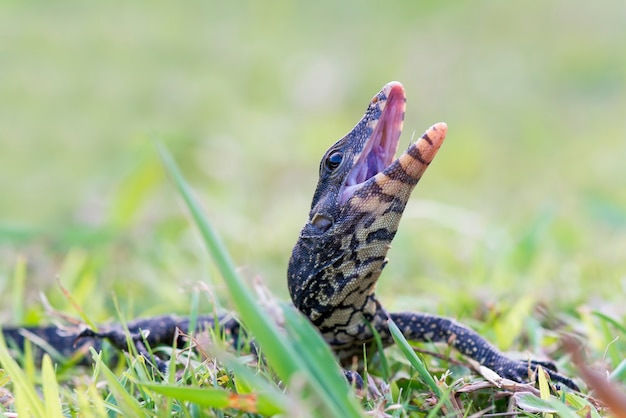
{"x": 321, "y": 222}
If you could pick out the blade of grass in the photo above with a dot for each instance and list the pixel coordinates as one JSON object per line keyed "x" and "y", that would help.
{"x": 246, "y": 381}
{"x": 610, "y": 320}
{"x": 314, "y": 350}
{"x": 544, "y": 388}
{"x": 275, "y": 348}
{"x": 532, "y": 403}
{"x": 24, "y": 389}
{"x": 28, "y": 363}
{"x": 582, "y": 406}
{"x": 126, "y": 402}
{"x": 619, "y": 372}
{"x": 279, "y": 351}
{"x": 509, "y": 326}
{"x": 384, "y": 364}
{"x": 415, "y": 361}
{"x": 50, "y": 389}
{"x": 607, "y": 328}
{"x": 19, "y": 280}
{"x": 219, "y": 398}
{"x": 4, "y": 378}
{"x": 418, "y": 364}
{"x": 90, "y": 401}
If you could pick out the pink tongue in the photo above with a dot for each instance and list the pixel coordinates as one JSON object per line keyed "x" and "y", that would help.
{"x": 380, "y": 149}
{"x": 385, "y": 138}
{"x": 373, "y": 164}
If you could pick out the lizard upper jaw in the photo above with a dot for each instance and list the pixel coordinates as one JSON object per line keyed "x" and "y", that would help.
{"x": 380, "y": 148}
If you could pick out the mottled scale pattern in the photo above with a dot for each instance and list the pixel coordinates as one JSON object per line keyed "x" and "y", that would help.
{"x": 335, "y": 264}
{"x": 333, "y": 273}
{"x": 73, "y": 342}
{"x": 338, "y": 257}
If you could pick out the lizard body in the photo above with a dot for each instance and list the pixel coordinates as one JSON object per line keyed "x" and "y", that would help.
{"x": 340, "y": 253}
{"x": 354, "y": 216}
{"x": 342, "y": 248}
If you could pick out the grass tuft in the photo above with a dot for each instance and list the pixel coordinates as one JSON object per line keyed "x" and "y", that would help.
{"x": 303, "y": 356}
{"x": 297, "y": 374}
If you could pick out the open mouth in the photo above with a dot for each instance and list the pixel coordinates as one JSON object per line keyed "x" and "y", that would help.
{"x": 380, "y": 148}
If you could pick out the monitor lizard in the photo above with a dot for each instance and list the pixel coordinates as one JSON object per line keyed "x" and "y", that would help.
{"x": 338, "y": 257}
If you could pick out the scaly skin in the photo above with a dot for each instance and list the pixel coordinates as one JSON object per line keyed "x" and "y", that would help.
{"x": 339, "y": 255}
{"x": 342, "y": 249}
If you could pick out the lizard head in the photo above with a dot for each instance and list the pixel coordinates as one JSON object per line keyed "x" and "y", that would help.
{"x": 357, "y": 205}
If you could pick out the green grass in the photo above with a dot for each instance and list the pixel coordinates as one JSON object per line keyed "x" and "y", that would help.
{"x": 517, "y": 229}
{"x": 298, "y": 371}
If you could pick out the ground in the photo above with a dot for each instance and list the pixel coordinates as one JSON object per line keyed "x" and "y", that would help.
{"x": 517, "y": 229}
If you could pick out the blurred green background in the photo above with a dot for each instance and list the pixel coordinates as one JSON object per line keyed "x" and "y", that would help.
{"x": 527, "y": 196}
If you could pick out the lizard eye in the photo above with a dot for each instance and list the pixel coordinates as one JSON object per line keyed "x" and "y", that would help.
{"x": 333, "y": 160}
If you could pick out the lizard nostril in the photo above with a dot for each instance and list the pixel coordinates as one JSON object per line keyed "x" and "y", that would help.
{"x": 321, "y": 222}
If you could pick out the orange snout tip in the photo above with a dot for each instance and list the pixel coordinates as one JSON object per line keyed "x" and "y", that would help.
{"x": 437, "y": 132}
{"x": 433, "y": 137}
{"x": 431, "y": 140}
